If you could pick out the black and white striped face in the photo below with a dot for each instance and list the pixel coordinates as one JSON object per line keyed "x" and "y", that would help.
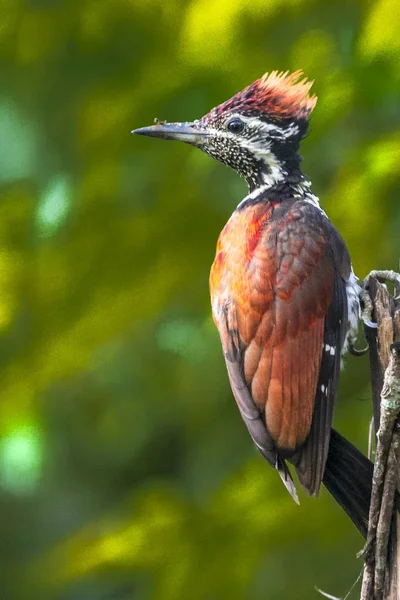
{"x": 256, "y": 132}
{"x": 261, "y": 151}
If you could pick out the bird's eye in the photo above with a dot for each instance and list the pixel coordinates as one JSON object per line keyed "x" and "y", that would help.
{"x": 235, "y": 125}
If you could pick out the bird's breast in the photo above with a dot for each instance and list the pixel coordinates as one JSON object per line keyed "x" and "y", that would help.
{"x": 244, "y": 269}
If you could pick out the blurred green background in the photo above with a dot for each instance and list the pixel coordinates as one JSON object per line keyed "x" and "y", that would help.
{"x": 125, "y": 470}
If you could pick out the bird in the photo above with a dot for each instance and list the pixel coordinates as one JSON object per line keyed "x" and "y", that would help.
{"x": 284, "y": 295}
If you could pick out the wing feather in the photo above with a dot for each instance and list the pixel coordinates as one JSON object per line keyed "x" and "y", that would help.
{"x": 310, "y": 462}
{"x": 276, "y": 312}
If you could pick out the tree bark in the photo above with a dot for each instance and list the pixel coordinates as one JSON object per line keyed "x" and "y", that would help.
{"x": 381, "y": 553}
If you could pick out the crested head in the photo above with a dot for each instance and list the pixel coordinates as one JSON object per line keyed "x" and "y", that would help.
{"x": 277, "y": 96}
{"x": 257, "y": 132}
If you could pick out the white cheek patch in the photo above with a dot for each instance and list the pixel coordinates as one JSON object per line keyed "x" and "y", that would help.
{"x": 262, "y": 152}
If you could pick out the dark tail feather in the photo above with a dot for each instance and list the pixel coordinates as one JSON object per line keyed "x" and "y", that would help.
{"x": 348, "y": 477}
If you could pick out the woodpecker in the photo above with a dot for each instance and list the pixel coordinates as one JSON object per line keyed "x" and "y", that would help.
{"x": 284, "y": 296}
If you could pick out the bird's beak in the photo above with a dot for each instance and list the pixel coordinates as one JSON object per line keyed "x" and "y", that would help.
{"x": 185, "y": 132}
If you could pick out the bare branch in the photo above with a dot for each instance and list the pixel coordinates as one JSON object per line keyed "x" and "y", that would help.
{"x": 381, "y": 554}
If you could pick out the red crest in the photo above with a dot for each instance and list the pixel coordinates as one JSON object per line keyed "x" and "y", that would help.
{"x": 279, "y": 95}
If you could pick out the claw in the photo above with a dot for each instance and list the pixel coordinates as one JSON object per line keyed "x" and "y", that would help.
{"x": 367, "y": 309}
{"x": 383, "y": 276}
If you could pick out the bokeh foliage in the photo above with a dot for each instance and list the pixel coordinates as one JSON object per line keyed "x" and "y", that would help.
{"x": 125, "y": 471}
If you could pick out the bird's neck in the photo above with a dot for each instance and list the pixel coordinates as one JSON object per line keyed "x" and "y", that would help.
{"x": 274, "y": 169}
{"x": 293, "y": 187}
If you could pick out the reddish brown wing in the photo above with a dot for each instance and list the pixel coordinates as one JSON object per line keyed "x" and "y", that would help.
{"x": 272, "y": 284}
{"x": 310, "y": 461}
